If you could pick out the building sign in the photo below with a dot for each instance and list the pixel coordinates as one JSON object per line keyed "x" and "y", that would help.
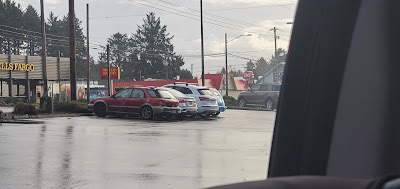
{"x": 248, "y": 75}
{"x": 115, "y": 73}
{"x": 17, "y": 67}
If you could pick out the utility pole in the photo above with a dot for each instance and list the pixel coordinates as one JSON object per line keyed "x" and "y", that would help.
{"x": 87, "y": 54}
{"x": 72, "y": 48}
{"x": 202, "y": 44}
{"x": 276, "y": 53}
{"x": 44, "y": 50}
{"x": 226, "y": 65}
{"x": 275, "y": 37}
{"x": 109, "y": 68}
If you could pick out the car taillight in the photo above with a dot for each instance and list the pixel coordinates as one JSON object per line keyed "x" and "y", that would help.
{"x": 204, "y": 98}
{"x": 182, "y": 100}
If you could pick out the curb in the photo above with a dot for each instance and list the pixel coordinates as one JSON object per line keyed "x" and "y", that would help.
{"x": 24, "y": 118}
{"x": 22, "y": 121}
{"x": 251, "y": 109}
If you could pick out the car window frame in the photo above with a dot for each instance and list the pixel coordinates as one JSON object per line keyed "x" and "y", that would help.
{"x": 183, "y": 90}
{"x": 259, "y": 87}
{"x": 264, "y": 88}
{"x": 144, "y": 94}
{"x": 116, "y": 95}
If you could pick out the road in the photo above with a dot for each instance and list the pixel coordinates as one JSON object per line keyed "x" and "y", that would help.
{"x": 91, "y": 152}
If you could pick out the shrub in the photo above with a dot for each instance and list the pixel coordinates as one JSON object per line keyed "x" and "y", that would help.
{"x": 12, "y": 100}
{"x": 24, "y": 108}
{"x": 230, "y": 101}
{"x": 117, "y": 89}
{"x": 71, "y": 107}
{"x": 82, "y": 100}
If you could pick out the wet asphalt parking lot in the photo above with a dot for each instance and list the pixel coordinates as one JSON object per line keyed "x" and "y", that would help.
{"x": 91, "y": 152}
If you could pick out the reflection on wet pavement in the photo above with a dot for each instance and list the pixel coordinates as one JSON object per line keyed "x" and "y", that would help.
{"x": 91, "y": 152}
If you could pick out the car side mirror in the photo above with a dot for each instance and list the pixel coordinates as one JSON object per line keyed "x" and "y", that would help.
{"x": 113, "y": 96}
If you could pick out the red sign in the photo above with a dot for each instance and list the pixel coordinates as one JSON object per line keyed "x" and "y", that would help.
{"x": 115, "y": 73}
{"x": 248, "y": 75}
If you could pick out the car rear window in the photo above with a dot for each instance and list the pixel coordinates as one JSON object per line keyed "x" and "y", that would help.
{"x": 176, "y": 93}
{"x": 165, "y": 94}
{"x": 215, "y": 92}
{"x": 205, "y": 92}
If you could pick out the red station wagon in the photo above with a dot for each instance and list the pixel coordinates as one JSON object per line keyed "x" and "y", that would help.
{"x": 145, "y": 101}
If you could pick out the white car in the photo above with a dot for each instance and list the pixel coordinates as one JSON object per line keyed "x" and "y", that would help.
{"x": 187, "y": 104}
{"x": 206, "y": 101}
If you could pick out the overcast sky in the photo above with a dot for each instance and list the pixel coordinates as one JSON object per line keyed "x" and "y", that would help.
{"x": 237, "y": 17}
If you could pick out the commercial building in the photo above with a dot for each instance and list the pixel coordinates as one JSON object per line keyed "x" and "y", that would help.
{"x": 22, "y": 76}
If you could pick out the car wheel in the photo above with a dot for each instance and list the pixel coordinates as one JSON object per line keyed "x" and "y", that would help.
{"x": 269, "y": 104}
{"x": 242, "y": 103}
{"x": 192, "y": 116}
{"x": 100, "y": 110}
{"x": 146, "y": 113}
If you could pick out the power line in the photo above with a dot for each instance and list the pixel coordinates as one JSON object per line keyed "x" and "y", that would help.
{"x": 213, "y": 15}
{"x": 32, "y": 35}
{"x": 188, "y": 13}
{"x": 37, "y": 32}
{"x": 282, "y": 5}
{"x": 242, "y": 57}
{"x": 253, "y": 7}
{"x": 23, "y": 38}
{"x": 190, "y": 17}
{"x": 123, "y": 16}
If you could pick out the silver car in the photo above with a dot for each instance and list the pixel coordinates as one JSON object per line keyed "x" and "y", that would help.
{"x": 187, "y": 104}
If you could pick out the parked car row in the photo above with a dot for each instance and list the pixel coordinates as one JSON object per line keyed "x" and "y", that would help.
{"x": 179, "y": 100}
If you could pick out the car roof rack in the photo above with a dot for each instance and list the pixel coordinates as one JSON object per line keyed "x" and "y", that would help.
{"x": 180, "y": 83}
{"x": 186, "y": 83}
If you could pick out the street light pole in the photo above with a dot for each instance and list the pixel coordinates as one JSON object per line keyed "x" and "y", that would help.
{"x": 226, "y": 66}
{"x": 226, "y": 60}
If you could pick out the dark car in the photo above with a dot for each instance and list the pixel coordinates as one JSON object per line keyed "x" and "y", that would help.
{"x": 145, "y": 101}
{"x": 265, "y": 95}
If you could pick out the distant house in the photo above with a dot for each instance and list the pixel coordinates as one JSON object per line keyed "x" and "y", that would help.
{"x": 274, "y": 75}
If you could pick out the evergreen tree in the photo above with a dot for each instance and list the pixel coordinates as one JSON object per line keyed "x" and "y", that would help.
{"x": 119, "y": 52}
{"x": 13, "y": 17}
{"x": 32, "y": 23}
{"x": 262, "y": 67}
{"x": 152, "y": 43}
{"x": 185, "y": 74}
